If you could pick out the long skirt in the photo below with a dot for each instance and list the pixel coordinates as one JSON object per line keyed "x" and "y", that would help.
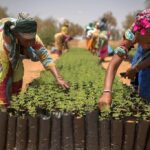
{"x": 103, "y": 50}
{"x": 143, "y": 76}
{"x": 10, "y": 80}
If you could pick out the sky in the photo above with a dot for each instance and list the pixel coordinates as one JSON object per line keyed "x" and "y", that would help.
{"x": 78, "y": 11}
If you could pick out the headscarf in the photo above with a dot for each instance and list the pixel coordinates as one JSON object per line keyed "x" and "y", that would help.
{"x": 142, "y": 22}
{"x": 25, "y": 26}
{"x": 64, "y": 30}
{"x": 103, "y": 24}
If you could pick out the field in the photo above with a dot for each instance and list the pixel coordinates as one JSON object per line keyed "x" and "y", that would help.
{"x": 46, "y": 117}
{"x": 33, "y": 69}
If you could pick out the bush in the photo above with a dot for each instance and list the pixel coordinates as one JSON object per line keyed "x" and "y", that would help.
{"x": 86, "y": 77}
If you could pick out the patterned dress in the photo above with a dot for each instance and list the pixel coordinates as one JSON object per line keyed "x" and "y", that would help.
{"x": 103, "y": 44}
{"x": 143, "y": 76}
{"x": 138, "y": 33}
{"x": 11, "y": 77}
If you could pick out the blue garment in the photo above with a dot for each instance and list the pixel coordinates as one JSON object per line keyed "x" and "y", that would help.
{"x": 143, "y": 75}
{"x": 32, "y": 54}
{"x": 110, "y": 50}
{"x": 137, "y": 55}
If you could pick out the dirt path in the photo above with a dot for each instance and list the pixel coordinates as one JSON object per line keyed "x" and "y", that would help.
{"x": 33, "y": 69}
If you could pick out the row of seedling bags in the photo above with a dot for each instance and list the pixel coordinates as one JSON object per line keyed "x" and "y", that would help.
{"x": 64, "y": 131}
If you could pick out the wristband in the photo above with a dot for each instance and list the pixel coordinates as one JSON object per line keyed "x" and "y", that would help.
{"x": 120, "y": 51}
{"x": 107, "y": 91}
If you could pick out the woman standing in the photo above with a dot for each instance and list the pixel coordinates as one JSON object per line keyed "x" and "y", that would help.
{"x": 103, "y": 39}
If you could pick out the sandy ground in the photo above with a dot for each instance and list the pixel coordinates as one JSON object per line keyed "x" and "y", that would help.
{"x": 33, "y": 69}
{"x": 122, "y": 68}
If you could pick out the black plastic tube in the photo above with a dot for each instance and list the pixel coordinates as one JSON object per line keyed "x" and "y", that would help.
{"x": 129, "y": 134}
{"x": 21, "y": 135}
{"x": 79, "y": 133}
{"x": 148, "y": 141}
{"x": 104, "y": 135}
{"x": 56, "y": 131}
{"x": 92, "y": 130}
{"x": 142, "y": 133}
{"x": 67, "y": 132}
{"x": 3, "y": 129}
{"x": 44, "y": 133}
{"x": 32, "y": 133}
{"x": 11, "y": 132}
{"x": 116, "y": 134}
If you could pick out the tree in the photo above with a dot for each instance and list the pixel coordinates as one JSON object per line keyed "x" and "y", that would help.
{"x": 112, "y": 23}
{"x": 3, "y": 12}
{"x": 74, "y": 29}
{"x": 47, "y": 29}
{"x": 111, "y": 20}
{"x": 130, "y": 18}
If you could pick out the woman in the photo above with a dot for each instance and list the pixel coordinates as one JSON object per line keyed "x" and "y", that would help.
{"x": 61, "y": 40}
{"x": 95, "y": 38}
{"x": 88, "y": 35}
{"x": 103, "y": 39}
{"x": 18, "y": 40}
{"x": 138, "y": 33}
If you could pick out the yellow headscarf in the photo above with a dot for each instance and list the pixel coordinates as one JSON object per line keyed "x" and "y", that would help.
{"x": 64, "y": 29}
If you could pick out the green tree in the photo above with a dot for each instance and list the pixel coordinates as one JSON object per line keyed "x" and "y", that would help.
{"x": 47, "y": 29}
{"x": 130, "y": 18}
{"x": 111, "y": 20}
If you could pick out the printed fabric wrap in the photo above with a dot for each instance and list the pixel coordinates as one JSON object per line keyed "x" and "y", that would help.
{"x": 129, "y": 35}
{"x": 11, "y": 75}
{"x": 120, "y": 51}
{"x": 143, "y": 76}
{"x": 103, "y": 44}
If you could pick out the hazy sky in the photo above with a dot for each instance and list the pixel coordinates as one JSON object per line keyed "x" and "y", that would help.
{"x": 77, "y": 11}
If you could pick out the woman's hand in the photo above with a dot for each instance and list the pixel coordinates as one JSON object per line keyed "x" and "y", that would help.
{"x": 63, "y": 83}
{"x": 105, "y": 100}
{"x": 59, "y": 78}
{"x": 131, "y": 72}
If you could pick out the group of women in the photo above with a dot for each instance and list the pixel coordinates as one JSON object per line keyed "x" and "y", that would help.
{"x": 19, "y": 40}
{"x": 97, "y": 37}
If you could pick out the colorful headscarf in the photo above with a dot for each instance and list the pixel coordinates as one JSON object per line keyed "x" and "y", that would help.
{"x": 24, "y": 25}
{"x": 142, "y": 22}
